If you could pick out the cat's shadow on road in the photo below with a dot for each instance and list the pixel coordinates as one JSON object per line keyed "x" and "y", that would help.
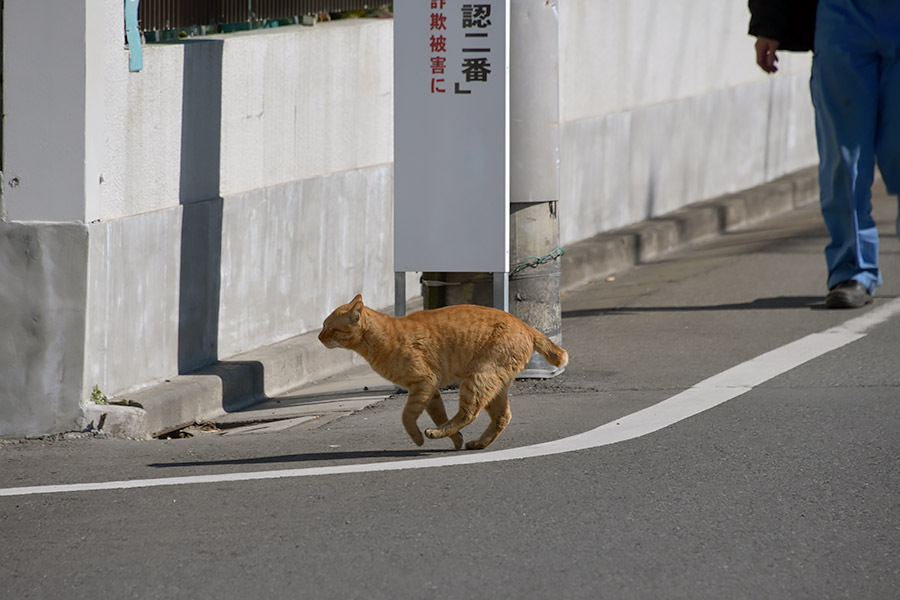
{"x": 306, "y": 457}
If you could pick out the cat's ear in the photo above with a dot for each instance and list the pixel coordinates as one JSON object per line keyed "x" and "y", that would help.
{"x": 356, "y": 306}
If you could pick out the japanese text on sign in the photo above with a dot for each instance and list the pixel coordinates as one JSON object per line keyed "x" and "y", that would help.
{"x": 475, "y": 20}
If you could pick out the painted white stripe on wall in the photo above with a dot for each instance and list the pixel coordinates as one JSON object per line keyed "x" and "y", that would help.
{"x": 707, "y": 394}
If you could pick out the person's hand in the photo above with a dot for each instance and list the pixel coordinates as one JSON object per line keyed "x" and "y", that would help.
{"x": 765, "y": 54}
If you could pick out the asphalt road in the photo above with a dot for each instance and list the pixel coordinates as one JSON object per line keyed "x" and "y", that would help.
{"x": 790, "y": 489}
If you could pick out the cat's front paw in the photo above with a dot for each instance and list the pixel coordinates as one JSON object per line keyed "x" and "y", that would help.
{"x": 457, "y": 440}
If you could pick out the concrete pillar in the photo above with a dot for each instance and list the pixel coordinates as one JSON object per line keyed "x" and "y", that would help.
{"x": 534, "y": 172}
{"x": 53, "y": 105}
{"x": 534, "y": 291}
{"x": 53, "y": 145}
{"x": 534, "y": 101}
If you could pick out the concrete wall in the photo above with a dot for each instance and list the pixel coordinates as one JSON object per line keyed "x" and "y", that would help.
{"x": 235, "y": 190}
{"x": 223, "y": 115}
{"x": 43, "y": 291}
{"x": 266, "y": 208}
{"x": 226, "y": 197}
{"x": 662, "y": 104}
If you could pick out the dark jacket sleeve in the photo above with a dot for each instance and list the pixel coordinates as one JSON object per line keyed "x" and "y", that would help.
{"x": 791, "y": 22}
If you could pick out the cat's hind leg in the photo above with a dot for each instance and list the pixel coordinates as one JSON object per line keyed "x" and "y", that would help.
{"x": 438, "y": 414}
{"x": 498, "y": 410}
{"x": 474, "y": 392}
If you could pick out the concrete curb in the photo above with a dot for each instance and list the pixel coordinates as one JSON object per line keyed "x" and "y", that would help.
{"x": 619, "y": 250}
{"x": 246, "y": 379}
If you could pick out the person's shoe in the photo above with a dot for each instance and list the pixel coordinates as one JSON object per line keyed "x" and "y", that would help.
{"x": 848, "y": 294}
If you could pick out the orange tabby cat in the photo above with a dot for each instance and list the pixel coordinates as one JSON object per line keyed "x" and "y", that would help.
{"x": 482, "y": 348}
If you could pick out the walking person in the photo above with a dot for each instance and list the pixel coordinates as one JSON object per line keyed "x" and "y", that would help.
{"x": 855, "y": 88}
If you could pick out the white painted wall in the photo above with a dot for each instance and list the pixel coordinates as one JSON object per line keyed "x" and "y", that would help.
{"x": 296, "y": 103}
{"x": 303, "y": 102}
{"x": 142, "y": 124}
{"x": 621, "y": 55}
{"x": 662, "y": 105}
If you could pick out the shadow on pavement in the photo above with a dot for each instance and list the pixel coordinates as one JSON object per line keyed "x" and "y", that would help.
{"x": 780, "y": 302}
{"x": 309, "y": 457}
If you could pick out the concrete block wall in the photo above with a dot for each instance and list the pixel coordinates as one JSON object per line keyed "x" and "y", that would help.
{"x": 239, "y": 187}
{"x": 255, "y": 191}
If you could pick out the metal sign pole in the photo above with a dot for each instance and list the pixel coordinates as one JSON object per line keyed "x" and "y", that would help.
{"x": 399, "y": 293}
{"x": 501, "y": 291}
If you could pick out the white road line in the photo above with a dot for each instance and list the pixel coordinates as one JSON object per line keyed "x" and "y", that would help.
{"x": 707, "y": 394}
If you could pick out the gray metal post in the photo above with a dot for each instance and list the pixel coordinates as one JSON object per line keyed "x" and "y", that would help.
{"x": 501, "y": 291}
{"x": 399, "y": 293}
{"x": 534, "y": 172}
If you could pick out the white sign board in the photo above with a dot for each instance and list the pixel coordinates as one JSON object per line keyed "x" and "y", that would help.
{"x": 451, "y": 135}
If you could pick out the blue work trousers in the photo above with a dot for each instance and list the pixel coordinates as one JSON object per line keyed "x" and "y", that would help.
{"x": 856, "y": 93}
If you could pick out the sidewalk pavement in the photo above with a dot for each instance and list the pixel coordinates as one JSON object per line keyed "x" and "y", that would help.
{"x": 297, "y": 380}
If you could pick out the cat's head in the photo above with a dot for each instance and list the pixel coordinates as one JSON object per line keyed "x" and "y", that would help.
{"x": 344, "y": 327}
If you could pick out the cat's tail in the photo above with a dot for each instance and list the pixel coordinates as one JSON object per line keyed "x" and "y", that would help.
{"x": 544, "y": 346}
